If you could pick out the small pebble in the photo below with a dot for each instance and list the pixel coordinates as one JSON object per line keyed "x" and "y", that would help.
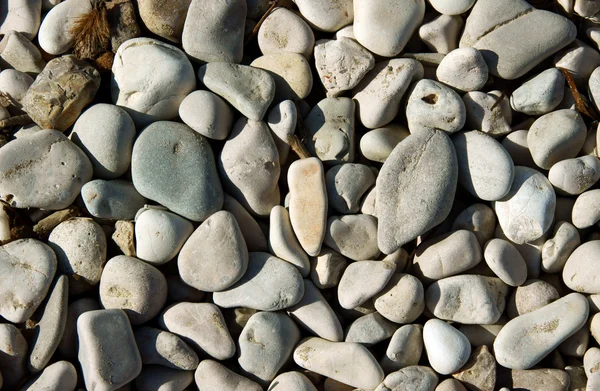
{"x": 532, "y": 295}
{"x": 447, "y": 348}
{"x": 405, "y": 348}
{"x": 585, "y": 211}
{"x": 377, "y": 144}
{"x": 580, "y": 270}
{"x": 463, "y": 69}
{"x": 58, "y": 376}
{"x": 14, "y": 350}
{"x": 402, "y": 300}
{"x": 213, "y": 376}
{"x": 113, "y": 200}
{"x": 291, "y": 381}
{"x": 486, "y": 114}
{"x": 291, "y": 73}
{"x": 505, "y": 261}
{"x": 557, "y": 250}
{"x": 418, "y": 377}
{"x": 327, "y": 268}
{"x": 574, "y": 176}
{"x": 370, "y": 329}
{"x": 159, "y": 347}
{"x": 207, "y": 114}
{"x": 479, "y": 219}
{"x": 16, "y": 51}
{"x": 441, "y": 34}
{"x": 539, "y": 95}
{"x": 285, "y": 32}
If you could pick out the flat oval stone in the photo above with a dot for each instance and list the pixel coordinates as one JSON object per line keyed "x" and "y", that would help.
{"x": 106, "y": 134}
{"x": 284, "y": 31}
{"x": 253, "y": 236}
{"x": 540, "y": 94}
{"x": 346, "y": 185}
{"x": 574, "y": 176}
{"x": 202, "y": 326}
{"x": 283, "y": 242}
{"x": 155, "y": 377}
{"x": 446, "y": 255}
{"x": 308, "y": 203}
{"x": 249, "y": 166}
{"x": 468, "y": 299}
{"x": 556, "y": 136}
{"x": 42, "y": 170}
{"x": 432, "y": 105}
{"x": 414, "y": 377}
{"x": 347, "y": 362}
{"x": 580, "y": 271}
{"x": 166, "y": 22}
{"x": 24, "y": 260}
{"x": 266, "y": 343}
{"x": 526, "y": 212}
{"x": 327, "y": 15}
{"x": 55, "y": 36}
{"x": 133, "y": 286}
{"x": 114, "y": 200}
{"x": 250, "y": 90}
{"x": 150, "y": 79}
{"x": 105, "y": 338}
{"x": 158, "y": 347}
{"x": 379, "y": 93}
{"x": 447, "y": 348}
{"x": 585, "y": 211}
{"x": 505, "y": 261}
{"x": 173, "y": 165}
{"x": 488, "y": 112}
{"x": 479, "y": 219}
{"x": 292, "y": 381}
{"x": 159, "y": 235}
{"x": 463, "y": 69}
{"x": 405, "y": 348}
{"x": 362, "y": 280}
{"x": 214, "y": 31}
{"x": 291, "y": 73}
{"x": 213, "y": 376}
{"x": 402, "y": 300}
{"x": 58, "y": 376}
{"x": 527, "y": 339}
{"x": 208, "y": 114}
{"x": 370, "y": 329}
{"x": 353, "y": 236}
{"x": 215, "y": 256}
{"x": 80, "y": 247}
{"x": 396, "y": 21}
{"x": 270, "y": 284}
{"x": 378, "y": 144}
{"x": 557, "y": 249}
{"x": 418, "y": 180}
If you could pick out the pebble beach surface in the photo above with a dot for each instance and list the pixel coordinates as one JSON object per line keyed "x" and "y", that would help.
{"x": 299, "y": 195}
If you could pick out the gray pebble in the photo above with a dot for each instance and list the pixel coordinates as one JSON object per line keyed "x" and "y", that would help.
{"x": 353, "y": 236}
{"x": 574, "y": 176}
{"x": 505, "y": 261}
{"x": 18, "y": 52}
{"x": 15, "y": 83}
{"x": 441, "y": 34}
{"x": 488, "y": 112}
{"x": 346, "y": 185}
{"x": 327, "y": 268}
{"x": 530, "y": 296}
{"x": 370, "y": 329}
{"x": 13, "y": 353}
{"x": 158, "y": 347}
{"x": 417, "y": 377}
{"x": 463, "y": 69}
{"x": 378, "y": 144}
{"x": 284, "y": 31}
{"x": 291, "y": 381}
{"x": 114, "y": 200}
{"x": 557, "y": 250}
{"x": 59, "y": 376}
{"x": 479, "y": 219}
{"x": 213, "y": 376}
{"x": 540, "y": 94}
{"x": 405, "y": 348}
{"x": 327, "y": 15}
{"x": 363, "y": 280}
{"x": 157, "y": 378}
{"x": 69, "y": 345}
{"x": 432, "y": 105}
{"x": 586, "y": 210}
{"x": 208, "y": 114}
{"x": 402, "y": 300}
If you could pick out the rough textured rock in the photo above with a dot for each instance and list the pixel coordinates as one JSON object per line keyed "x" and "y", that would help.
{"x": 164, "y": 21}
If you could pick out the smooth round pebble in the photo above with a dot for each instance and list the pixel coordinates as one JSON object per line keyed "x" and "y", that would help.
{"x": 416, "y": 377}
{"x": 447, "y": 348}
{"x": 158, "y": 347}
{"x": 505, "y": 261}
{"x": 370, "y": 329}
{"x": 581, "y": 270}
{"x": 114, "y": 200}
{"x": 353, "y": 236}
{"x": 55, "y": 35}
{"x": 326, "y": 15}
{"x": 463, "y": 69}
{"x": 479, "y": 219}
{"x": 402, "y": 300}
{"x": 346, "y": 185}
{"x": 378, "y": 144}
{"x": 405, "y": 348}
{"x": 352, "y": 289}
{"x": 207, "y": 114}
{"x": 452, "y": 7}
{"x": 557, "y": 249}
{"x": 213, "y": 376}
{"x": 60, "y": 375}
{"x": 284, "y": 31}
{"x": 291, "y": 381}
{"x": 540, "y": 94}
{"x": 530, "y": 296}
{"x": 15, "y": 83}
{"x": 574, "y": 176}
{"x": 586, "y": 210}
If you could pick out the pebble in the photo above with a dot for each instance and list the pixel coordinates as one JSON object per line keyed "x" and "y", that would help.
{"x": 377, "y": 144}
{"x": 379, "y": 93}
{"x": 574, "y": 176}
{"x": 505, "y": 261}
{"x": 133, "y": 286}
{"x": 15, "y": 83}
{"x": 154, "y": 377}
{"x": 159, "y": 235}
{"x": 486, "y": 115}
{"x": 368, "y": 205}
{"x": 580, "y": 270}
{"x": 207, "y": 114}
{"x": 370, "y": 329}
{"x": 291, "y": 73}
{"x": 105, "y": 338}
{"x": 497, "y": 28}
{"x": 447, "y": 348}
{"x": 527, "y": 211}
{"x": 214, "y": 32}
{"x": 106, "y": 134}
{"x": 402, "y": 300}
{"x": 353, "y": 236}
{"x": 539, "y": 379}
{"x": 415, "y": 377}
{"x": 282, "y": 120}
{"x": 579, "y": 59}
{"x": 58, "y": 376}
{"x": 50, "y": 327}
{"x": 150, "y": 79}
{"x": 419, "y": 191}
{"x": 576, "y": 344}
{"x": 114, "y": 200}
{"x": 283, "y": 242}
{"x": 540, "y": 94}
{"x": 253, "y": 236}
{"x": 405, "y": 348}
{"x": 60, "y": 92}
{"x": 557, "y": 250}
{"x": 527, "y": 339}
{"x": 22, "y": 16}
{"x": 347, "y": 362}
{"x": 215, "y": 256}
{"x": 352, "y": 289}
{"x": 16, "y": 51}
{"x": 80, "y": 247}
{"x": 396, "y": 21}
{"x": 213, "y": 376}
{"x": 441, "y": 34}
{"x": 315, "y": 314}
{"x": 346, "y": 186}
{"x": 249, "y": 166}
{"x": 285, "y": 32}
{"x": 266, "y": 343}
{"x": 330, "y": 125}
{"x": 446, "y": 255}
{"x": 291, "y": 381}
{"x": 202, "y": 326}
{"x": 591, "y": 360}
{"x": 515, "y": 144}
{"x": 308, "y": 203}
{"x": 326, "y": 15}
{"x": 431, "y": 105}
{"x": 532, "y": 295}
{"x": 269, "y": 284}
{"x": 449, "y": 7}
{"x": 166, "y": 22}
{"x": 55, "y": 36}
{"x": 173, "y": 165}
{"x": 451, "y": 385}
{"x": 479, "y": 372}
{"x": 250, "y": 90}
{"x": 69, "y": 345}
{"x": 14, "y": 350}
{"x": 585, "y": 210}
{"x": 159, "y": 347}
{"x": 468, "y": 299}
{"x": 24, "y": 260}
{"x": 479, "y": 219}
{"x": 341, "y": 64}
{"x": 326, "y": 268}
{"x": 463, "y": 69}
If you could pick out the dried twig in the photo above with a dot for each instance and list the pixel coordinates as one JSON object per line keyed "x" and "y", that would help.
{"x": 298, "y": 147}
{"x": 92, "y": 32}
{"x": 580, "y": 104}
{"x": 502, "y": 96}
{"x": 260, "y": 22}
{"x": 47, "y": 224}
{"x": 22, "y": 119}
{"x": 8, "y": 101}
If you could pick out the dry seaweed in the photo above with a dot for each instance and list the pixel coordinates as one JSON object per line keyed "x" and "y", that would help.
{"x": 92, "y": 32}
